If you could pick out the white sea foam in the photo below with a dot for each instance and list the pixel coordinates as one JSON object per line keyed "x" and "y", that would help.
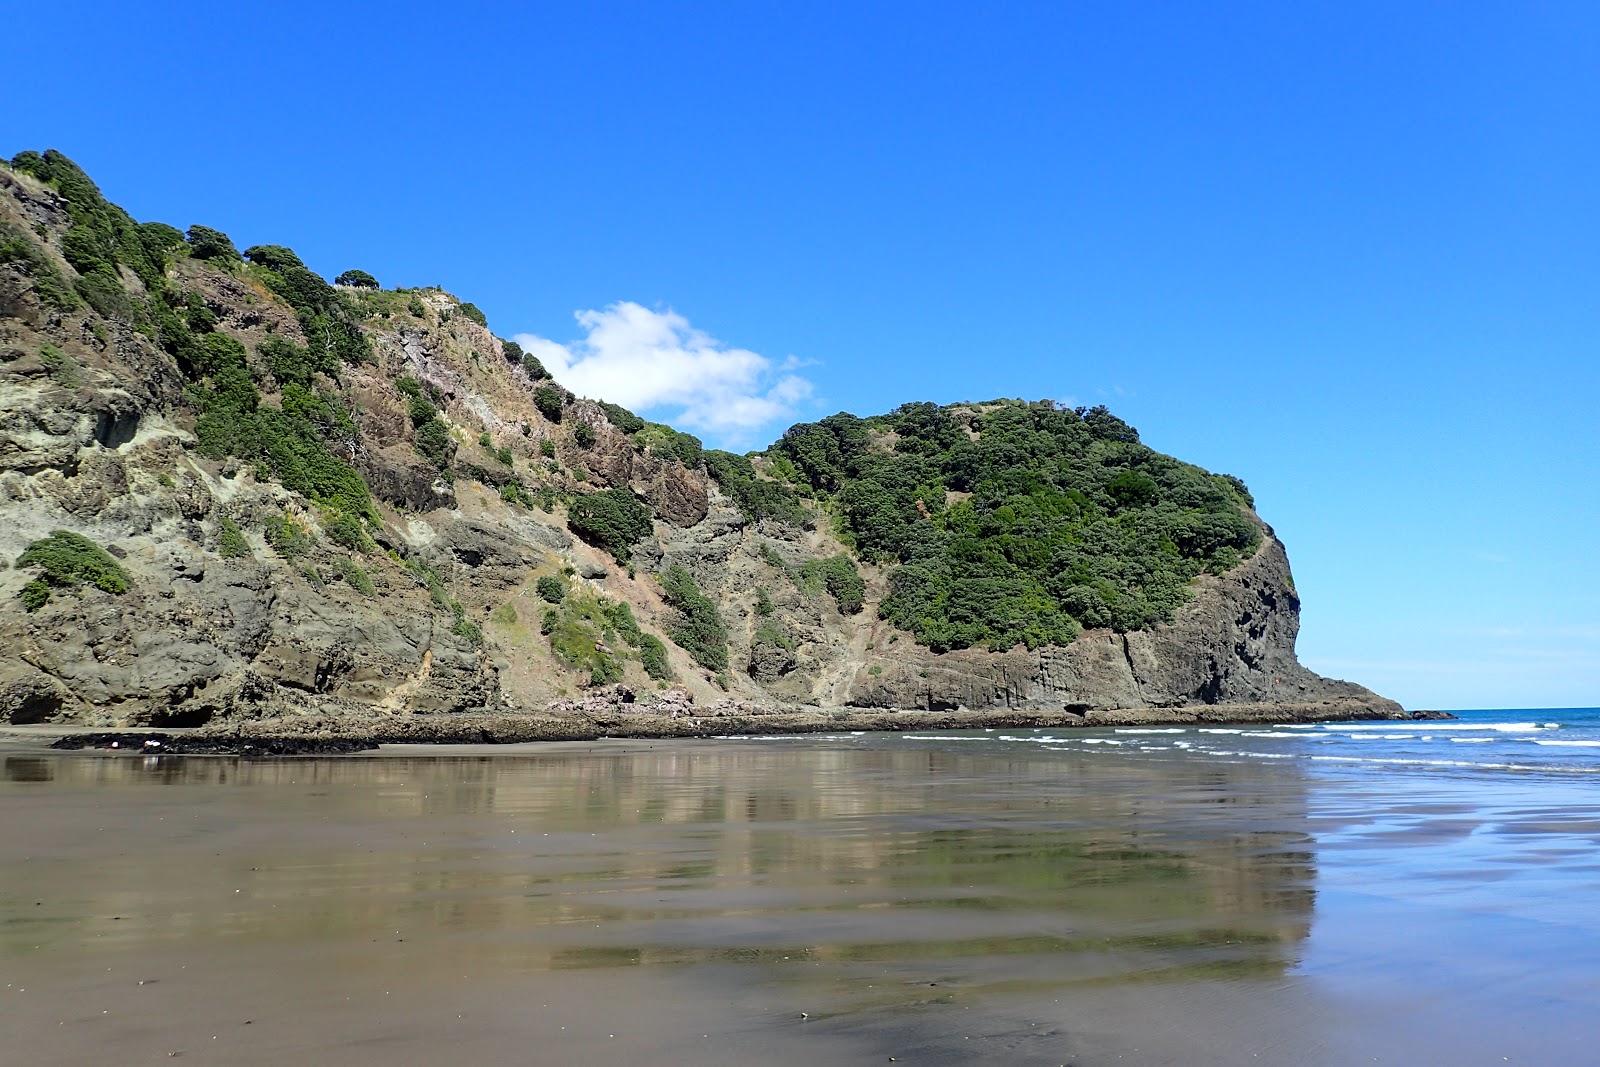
{"x": 1219, "y": 730}
{"x": 1151, "y": 730}
{"x": 1473, "y": 740}
{"x": 1497, "y": 727}
{"x": 1570, "y": 744}
{"x": 1268, "y": 733}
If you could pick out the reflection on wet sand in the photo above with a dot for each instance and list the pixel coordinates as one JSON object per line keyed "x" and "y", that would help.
{"x": 860, "y": 882}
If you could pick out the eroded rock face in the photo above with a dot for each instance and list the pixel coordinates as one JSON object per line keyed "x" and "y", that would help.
{"x": 98, "y": 437}
{"x": 1232, "y": 644}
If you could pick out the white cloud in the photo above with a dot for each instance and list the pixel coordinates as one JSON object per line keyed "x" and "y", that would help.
{"x": 645, "y": 359}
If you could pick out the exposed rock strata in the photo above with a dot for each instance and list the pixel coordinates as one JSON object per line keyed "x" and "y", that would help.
{"x": 97, "y": 437}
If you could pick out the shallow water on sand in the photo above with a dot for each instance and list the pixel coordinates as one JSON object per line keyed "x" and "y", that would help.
{"x": 793, "y": 901}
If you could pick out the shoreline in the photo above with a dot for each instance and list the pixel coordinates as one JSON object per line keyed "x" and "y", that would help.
{"x": 344, "y": 735}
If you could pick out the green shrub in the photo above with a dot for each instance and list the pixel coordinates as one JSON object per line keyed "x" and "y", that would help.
{"x": 358, "y": 279}
{"x": 470, "y": 631}
{"x": 504, "y": 456}
{"x": 547, "y": 448}
{"x": 416, "y": 306}
{"x": 62, "y": 367}
{"x": 549, "y": 400}
{"x": 653, "y": 657}
{"x": 770, "y": 633}
{"x": 548, "y": 621}
{"x": 355, "y": 577}
{"x": 20, "y": 251}
{"x": 287, "y": 537}
{"x": 206, "y": 243}
{"x": 697, "y": 627}
{"x": 763, "y": 602}
{"x": 35, "y": 595}
{"x": 757, "y": 497}
{"x": 534, "y": 367}
{"x": 345, "y": 530}
{"x": 513, "y": 493}
{"x": 584, "y": 435}
{"x": 511, "y": 350}
{"x": 287, "y": 361}
{"x": 621, "y": 615}
{"x": 551, "y": 589}
{"x": 231, "y": 542}
{"x": 421, "y": 411}
{"x": 621, "y": 417}
{"x": 686, "y": 448}
{"x": 434, "y": 442}
{"x": 612, "y": 519}
{"x": 838, "y": 575}
{"x": 67, "y": 561}
{"x": 471, "y": 311}
{"x": 102, "y": 290}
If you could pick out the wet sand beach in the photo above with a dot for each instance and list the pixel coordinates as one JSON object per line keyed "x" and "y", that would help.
{"x": 845, "y": 899}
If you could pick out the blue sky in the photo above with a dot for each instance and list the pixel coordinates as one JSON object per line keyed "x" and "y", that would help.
{"x": 1348, "y": 252}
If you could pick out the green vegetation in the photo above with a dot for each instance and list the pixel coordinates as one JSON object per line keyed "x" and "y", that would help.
{"x": 513, "y": 492}
{"x": 757, "y": 497}
{"x": 355, "y": 577}
{"x": 763, "y": 602}
{"x": 837, "y": 575}
{"x": 547, "y": 448}
{"x": 231, "y": 542}
{"x": 665, "y": 441}
{"x": 287, "y": 537}
{"x": 551, "y": 589}
{"x": 206, "y": 243}
{"x": 697, "y": 627}
{"x": 588, "y": 631}
{"x": 102, "y": 236}
{"x": 584, "y": 435}
{"x": 535, "y": 369}
{"x": 433, "y": 439}
{"x": 328, "y": 318}
{"x": 358, "y": 279}
{"x": 771, "y": 633}
{"x": 612, "y": 519}
{"x": 621, "y": 417}
{"x": 68, "y": 560}
{"x": 416, "y": 306}
{"x": 1039, "y": 520}
{"x": 468, "y": 630}
{"x": 22, "y": 252}
{"x": 653, "y": 657}
{"x": 61, "y": 366}
{"x": 549, "y": 400}
{"x": 471, "y": 311}
{"x": 345, "y": 529}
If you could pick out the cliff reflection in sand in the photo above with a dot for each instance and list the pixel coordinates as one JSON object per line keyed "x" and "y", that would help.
{"x": 869, "y": 876}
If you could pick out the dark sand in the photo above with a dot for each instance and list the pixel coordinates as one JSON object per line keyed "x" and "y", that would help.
{"x": 686, "y": 902}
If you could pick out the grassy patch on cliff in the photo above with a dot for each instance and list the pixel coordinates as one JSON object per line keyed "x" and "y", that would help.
{"x": 594, "y": 633}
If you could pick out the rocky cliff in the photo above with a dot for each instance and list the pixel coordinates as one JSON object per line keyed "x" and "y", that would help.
{"x": 364, "y": 531}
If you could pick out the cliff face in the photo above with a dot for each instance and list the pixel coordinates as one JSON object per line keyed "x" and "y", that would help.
{"x": 433, "y": 605}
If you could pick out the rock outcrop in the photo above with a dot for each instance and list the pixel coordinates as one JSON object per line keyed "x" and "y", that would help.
{"x": 433, "y": 608}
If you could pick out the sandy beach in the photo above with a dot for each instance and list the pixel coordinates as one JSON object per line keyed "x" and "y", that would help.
{"x": 783, "y": 901}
